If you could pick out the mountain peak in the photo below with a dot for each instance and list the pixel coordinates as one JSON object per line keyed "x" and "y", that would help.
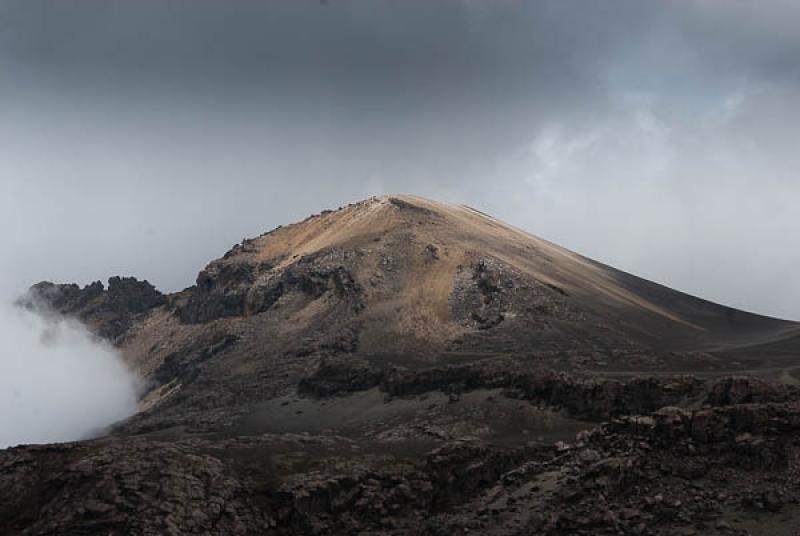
{"x": 401, "y": 280}
{"x": 362, "y": 220}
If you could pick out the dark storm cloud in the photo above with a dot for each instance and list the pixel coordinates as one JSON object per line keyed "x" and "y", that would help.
{"x": 376, "y": 47}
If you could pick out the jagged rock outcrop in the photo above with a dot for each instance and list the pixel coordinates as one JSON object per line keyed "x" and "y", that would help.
{"x": 657, "y": 474}
{"x": 746, "y": 389}
{"x": 109, "y": 312}
{"x": 227, "y": 289}
{"x": 131, "y": 487}
{"x": 592, "y": 398}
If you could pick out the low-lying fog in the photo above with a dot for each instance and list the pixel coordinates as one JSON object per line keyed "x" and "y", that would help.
{"x": 57, "y": 381}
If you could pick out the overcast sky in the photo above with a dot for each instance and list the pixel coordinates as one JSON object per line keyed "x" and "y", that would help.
{"x": 147, "y": 137}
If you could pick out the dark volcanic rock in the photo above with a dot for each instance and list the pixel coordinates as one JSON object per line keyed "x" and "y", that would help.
{"x": 118, "y": 488}
{"x": 665, "y": 473}
{"x": 746, "y": 389}
{"x": 591, "y": 398}
{"x": 337, "y": 378}
{"x": 228, "y": 288}
{"x": 110, "y": 313}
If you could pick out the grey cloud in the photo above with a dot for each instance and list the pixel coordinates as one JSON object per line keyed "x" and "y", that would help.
{"x": 56, "y": 382}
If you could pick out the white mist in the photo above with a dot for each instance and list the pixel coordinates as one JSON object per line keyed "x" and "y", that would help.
{"x": 57, "y": 381}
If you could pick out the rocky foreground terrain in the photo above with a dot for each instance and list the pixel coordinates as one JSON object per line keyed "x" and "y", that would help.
{"x": 401, "y": 366}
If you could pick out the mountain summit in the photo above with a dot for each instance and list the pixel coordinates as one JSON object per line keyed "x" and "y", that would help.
{"x": 417, "y": 273}
{"x": 400, "y": 358}
{"x": 402, "y": 281}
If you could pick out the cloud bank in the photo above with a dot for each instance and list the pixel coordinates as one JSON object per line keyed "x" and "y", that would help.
{"x": 57, "y": 382}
